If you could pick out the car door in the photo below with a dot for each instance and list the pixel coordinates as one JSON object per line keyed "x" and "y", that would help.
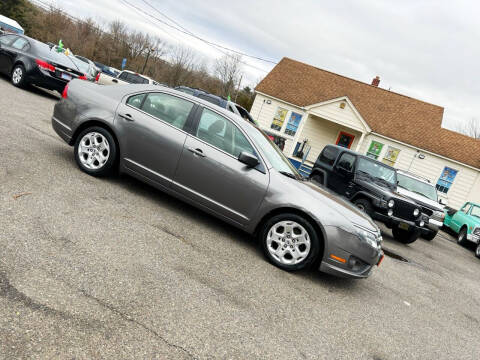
{"x": 151, "y": 131}
{"x": 459, "y": 218}
{"x": 339, "y": 180}
{"x": 6, "y": 53}
{"x": 210, "y": 174}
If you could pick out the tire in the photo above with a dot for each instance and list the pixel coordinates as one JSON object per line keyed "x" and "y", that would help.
{"x": 404, "y": 236}
{"x": 18, "y": 76}
{"x": 95, "y": 151}
{"x": 364, "y": 205}
{"x": 430, "y": 236}
{"x": 318, "y": 178}
{"x": 280, "y": 247}
{"x": 462, "y": 236}
{"x": 477, "y": 251}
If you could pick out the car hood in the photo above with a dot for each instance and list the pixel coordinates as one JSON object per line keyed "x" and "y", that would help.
{"x": 420, "y": 199}
{"x": 382, "y": 191}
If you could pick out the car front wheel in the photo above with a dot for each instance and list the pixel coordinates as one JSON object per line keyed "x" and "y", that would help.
{"x": 404, "y": 236}
{"x": 462, "y": 236}
{"x": 477, "y": 251}
{"x": 18, "y": 76}
{"x": 290, "y": 242}
{"x": 95, "y": 151}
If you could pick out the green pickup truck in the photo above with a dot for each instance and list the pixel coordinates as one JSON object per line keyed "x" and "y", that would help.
{"x": 466, "y": 223}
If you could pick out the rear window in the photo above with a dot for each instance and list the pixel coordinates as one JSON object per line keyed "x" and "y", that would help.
{"x": 328, "y": 156}
{"x": 7, "y": 39}
{"x": 136, "y": 79}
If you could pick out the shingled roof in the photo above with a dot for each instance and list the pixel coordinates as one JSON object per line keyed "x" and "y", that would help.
{"x": 396, "y": 116}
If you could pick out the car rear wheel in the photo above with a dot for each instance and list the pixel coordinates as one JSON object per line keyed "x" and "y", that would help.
{"x": 95, "y": 151}
{"x": 290, "y": 242}
{"x": 462, "y": 236}
{"x": 477, "y": 251}
{"x": 18, "y": 76}
{"x": 430, "y": 236}
{"x": 404, "y": 236}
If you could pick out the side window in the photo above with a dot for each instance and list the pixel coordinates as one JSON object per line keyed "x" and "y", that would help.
{"x": 475, "y": 211}
{"x": 221, "y": 133}
{"x": 346, "y": 161}
{"x": 7, "y": 39}
{"x": 168, "y": 108}
{"x": 123, "y": 76}
{"x": 328, "y": 156}
{"x": 136, "y": 100}
{"x": 20, "y": 44}
{"x": 465, "y": 208}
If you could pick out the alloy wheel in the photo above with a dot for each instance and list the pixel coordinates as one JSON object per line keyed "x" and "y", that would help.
{"x": 288, "y": 242}
{"x": 17, "y": 75}
{"x": 93, "y": 150}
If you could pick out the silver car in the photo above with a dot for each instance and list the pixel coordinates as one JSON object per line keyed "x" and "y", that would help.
{"x": 220, "y": 163}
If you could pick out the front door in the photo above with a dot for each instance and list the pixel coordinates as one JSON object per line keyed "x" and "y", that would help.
{"x": 459, "y": 218}
{"x": 151, "y": 128}
{"x": 345, "y": 140}
{"x": 342, "y": 175}
{"x": 210, "y": 174}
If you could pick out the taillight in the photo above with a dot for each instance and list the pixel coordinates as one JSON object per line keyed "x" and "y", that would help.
{"x": 45, "y": 65}
{"x": 97, "y": 77}
{"x": 83, "y": 77}
{"x": 65, "y": 91}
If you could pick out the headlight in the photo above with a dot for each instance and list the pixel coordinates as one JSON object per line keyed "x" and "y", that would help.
{"x": 391, "y": 203}
{"x": 476, "y": 231}
{"x": 416, "y": 212}
{"x": 369, "y": 237}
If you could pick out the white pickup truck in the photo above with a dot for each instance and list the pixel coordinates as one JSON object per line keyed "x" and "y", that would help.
{"x": 125, "y": 77}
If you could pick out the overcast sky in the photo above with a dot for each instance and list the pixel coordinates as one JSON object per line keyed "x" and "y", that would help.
{"x": 426, "y": 49}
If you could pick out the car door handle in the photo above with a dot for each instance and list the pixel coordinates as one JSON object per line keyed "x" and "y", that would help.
{"x": 127, "y": 117}
{"x": 198, "y": 152}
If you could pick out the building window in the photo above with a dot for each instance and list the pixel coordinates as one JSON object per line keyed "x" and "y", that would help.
{"x": 345, "y": 139}
{"x": 391, "y": 156}
{"x": 292, "y": 125}
{"x": 446, "y": 179}
{"x": 374, "y": 150}
{"x": 279, "y": 119}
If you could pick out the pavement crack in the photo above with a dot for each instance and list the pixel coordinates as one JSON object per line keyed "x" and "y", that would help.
{"x": 128, "y": 318}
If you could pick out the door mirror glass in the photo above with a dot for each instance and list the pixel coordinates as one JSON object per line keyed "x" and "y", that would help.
{"x": 248, "y": 159}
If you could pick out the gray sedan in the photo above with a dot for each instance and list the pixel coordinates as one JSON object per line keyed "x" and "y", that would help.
{"x": 221, "y": 164}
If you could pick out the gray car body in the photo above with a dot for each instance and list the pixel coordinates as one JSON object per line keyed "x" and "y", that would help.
{"x": 217, "y": 183}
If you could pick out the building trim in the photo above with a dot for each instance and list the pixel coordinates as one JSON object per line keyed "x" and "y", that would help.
{"x": 277, "y": 99}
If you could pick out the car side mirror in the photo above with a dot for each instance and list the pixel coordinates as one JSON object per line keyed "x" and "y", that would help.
{"x": 442, "y": 201}
{"x": 248, "y": 159}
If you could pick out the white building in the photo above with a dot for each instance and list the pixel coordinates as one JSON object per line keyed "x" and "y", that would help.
{"x": 300, "y": 103}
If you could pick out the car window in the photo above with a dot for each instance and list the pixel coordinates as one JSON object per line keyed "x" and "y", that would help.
{"x": 136, "y": 79}
{"x": 221, "y": 133}
{"x": 328, "y": 155}
{"x": 168, "y": 108}
{"x": 465, "y": 208}
{"x": 7, "y": 39}
{"x": 136, "y": 100}
{"x": 20, "y": 44}
{"x": 186, "y": 91}
{"x": 123, "y": 76}
{"x": 346, "y": 161}
{"x": 213, "y": 100}
{"x": 475, "y": 211}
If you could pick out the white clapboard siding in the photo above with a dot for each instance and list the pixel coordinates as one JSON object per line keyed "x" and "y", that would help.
{"x": 333, "y": 111}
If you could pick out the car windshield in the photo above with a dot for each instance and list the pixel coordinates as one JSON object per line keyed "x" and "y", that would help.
{"x": 417, "y": 186}
{"x": 377, "y": 170}
{"x": 271, "y": 151}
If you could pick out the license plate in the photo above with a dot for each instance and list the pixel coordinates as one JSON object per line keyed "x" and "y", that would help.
{"x": 403, "y": 226}
{"x": 66, "y": 76}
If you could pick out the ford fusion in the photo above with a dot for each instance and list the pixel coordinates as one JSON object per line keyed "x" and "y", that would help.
{"x": 220, "y": 163}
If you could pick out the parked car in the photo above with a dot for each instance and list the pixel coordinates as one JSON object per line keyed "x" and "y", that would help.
{"x": 28, "y": 61}
{"x": 219, "y": 101}
{"x": 372, "y": 187}
{"x": 125, "y": 77}
{"x": 89, "y": 67}
{"x": 424, "y": 194}
{"x": 212, "y": 159}
{"x": 465, "y": 223}
{"x": 107, "y": 69}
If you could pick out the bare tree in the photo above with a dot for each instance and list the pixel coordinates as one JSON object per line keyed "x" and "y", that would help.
{"x": 472, "y": 128}
{"x": 229, "y": 71}
{"x": 181, "y": 61}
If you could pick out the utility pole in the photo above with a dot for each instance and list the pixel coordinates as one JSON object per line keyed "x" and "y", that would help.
{"x": 238, "y": 87}
{"x": 146, "y": 59}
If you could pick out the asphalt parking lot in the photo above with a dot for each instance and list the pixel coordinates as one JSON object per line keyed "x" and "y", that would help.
{"x": 112, "y": 268}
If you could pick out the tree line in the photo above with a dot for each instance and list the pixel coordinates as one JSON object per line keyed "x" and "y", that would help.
{"x": 151, "y": 55}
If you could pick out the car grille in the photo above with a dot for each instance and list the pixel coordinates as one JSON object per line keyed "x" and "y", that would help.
{"x": 427, "y": 211}
{"x": 403, "y": 210}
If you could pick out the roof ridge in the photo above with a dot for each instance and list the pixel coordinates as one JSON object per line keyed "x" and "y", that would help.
{"x": 361, "y": 82}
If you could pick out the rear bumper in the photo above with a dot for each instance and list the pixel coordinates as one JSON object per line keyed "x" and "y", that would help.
{"x": 43, "y": 79}
{"x": 62, "y": 130}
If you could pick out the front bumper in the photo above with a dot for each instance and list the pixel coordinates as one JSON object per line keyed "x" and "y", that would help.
{"x": 347, "y": 256}
{"x": 434, "y": 225}
{"x": 392, "y": 221}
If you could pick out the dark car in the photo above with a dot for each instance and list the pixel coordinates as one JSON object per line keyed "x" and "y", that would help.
{"x": 219, "y": 101}
{"x": 28, "y": 61}
{"x": 214, "y": 160}
{"x": 372, "y": 186}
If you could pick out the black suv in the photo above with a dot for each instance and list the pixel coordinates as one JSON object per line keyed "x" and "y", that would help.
{"x": 372, "y": 187}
